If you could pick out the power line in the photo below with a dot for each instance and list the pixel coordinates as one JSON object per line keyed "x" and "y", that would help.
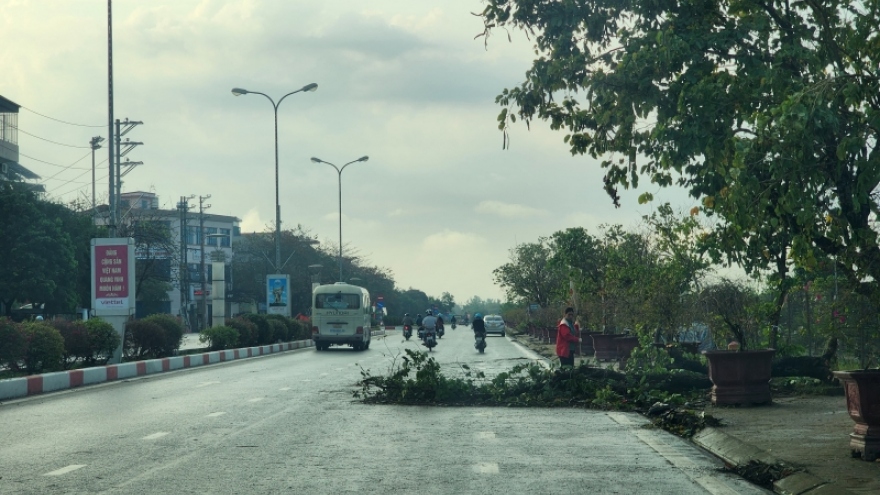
{"x": 59, "y": 120}
{"x": 71, "y": 166}
{"x": 43, "y": 161}
{"x": 47, "y": 140}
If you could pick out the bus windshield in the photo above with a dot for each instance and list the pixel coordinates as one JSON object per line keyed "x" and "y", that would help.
{"x": 338, "y": 301}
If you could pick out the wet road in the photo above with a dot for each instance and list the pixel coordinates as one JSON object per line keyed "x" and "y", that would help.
{"x": 287, "y": 424}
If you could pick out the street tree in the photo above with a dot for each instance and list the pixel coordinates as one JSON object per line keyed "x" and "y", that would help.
{"x": 530, "y": 277}
{"x": 39, "y": 257}
{"x": 766, "y": 111}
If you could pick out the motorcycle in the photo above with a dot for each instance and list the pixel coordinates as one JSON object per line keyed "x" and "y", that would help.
{"x": 407, "y": 331}
{"x": 440, "y": 332}
{"x": 453, "y": 326}
{"x": 422, "y": 332}
{"x": 430, "y": 341}
{"x": 480, "y": 342}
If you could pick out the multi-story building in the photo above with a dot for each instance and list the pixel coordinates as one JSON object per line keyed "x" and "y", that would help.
{"x": 186, "y": 260}
{"x": 10, "y": 169}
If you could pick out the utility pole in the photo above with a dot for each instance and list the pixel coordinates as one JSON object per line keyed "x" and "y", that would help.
{"x": 203, "y": 302}
{"x": 110, "y": 161}
{"x": 95, "y": 144}
{"x": 183, "y": 207}
{"x": 122, "y": 128}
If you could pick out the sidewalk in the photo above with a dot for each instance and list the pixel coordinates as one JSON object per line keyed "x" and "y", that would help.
{"x": 808, "y": 433}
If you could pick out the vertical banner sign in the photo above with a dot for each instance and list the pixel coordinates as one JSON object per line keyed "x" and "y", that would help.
{"x": 113, "y": 276}
{"x": 278, "y": 295}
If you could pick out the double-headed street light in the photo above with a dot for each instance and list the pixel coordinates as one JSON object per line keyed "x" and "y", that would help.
{"x": 240, "y": 91}
{"x": 339, "y": 173}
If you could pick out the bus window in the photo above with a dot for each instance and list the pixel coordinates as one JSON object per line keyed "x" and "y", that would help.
{"x": 337, "y": 301}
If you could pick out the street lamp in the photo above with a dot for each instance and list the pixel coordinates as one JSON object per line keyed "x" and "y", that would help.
{"x": 240, "y": 91}
{"x": 339, "y": 173}
{"x": 95, "y": 144}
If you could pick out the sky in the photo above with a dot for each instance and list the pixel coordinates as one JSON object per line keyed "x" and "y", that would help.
{"x": 405, "y": 82}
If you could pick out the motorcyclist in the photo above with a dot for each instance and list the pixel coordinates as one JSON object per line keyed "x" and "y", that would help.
{"x": 429, "y": 323}
{"x": 419, "y": 320}
{"x": 479, "y": 327}
{"x": 452, "y": 320}
{"x": 407, "y": 320}
{"x": 439, "y": 325}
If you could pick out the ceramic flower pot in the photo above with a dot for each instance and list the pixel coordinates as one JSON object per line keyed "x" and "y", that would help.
{"x": 863, "y": 403}
{"x": 605, "y": 346}
{"x": 740, "y": 377}
{"x": 625, "y": 346}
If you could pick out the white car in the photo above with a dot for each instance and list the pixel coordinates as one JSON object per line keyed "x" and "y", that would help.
{"x": 495, "y": 324}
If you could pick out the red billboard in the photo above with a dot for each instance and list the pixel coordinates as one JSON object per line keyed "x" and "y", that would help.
{"x": 111, "y": 272}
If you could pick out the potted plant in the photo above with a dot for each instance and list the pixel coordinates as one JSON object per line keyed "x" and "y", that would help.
{"x": 862, "y": 388}
{"x": 739, "y": 376}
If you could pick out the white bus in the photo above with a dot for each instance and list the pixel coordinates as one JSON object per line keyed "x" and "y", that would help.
{"x": 341, "y": 315}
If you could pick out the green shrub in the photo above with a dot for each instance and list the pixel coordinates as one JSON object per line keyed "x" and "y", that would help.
{"x": 76, "y": 340}
{"x": 301, "y": 330}
{"x": 103, "y": 340}
{"x": 144, "y": 339}
{"x": 219, "y": 338}
{"x": 264, "y": 331}
{"x": 279, "y": 330}
{"x": 13, "y": 343}
{"x": 45, "y": 347}
{"x": 247, "y": 331}
{"x": 172, "y": 330}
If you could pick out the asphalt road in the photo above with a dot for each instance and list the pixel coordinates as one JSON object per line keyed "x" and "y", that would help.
{"x": 287, "y": 423}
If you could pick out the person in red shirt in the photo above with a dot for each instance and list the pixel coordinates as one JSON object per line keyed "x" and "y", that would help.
{"x": 568, "y": 336}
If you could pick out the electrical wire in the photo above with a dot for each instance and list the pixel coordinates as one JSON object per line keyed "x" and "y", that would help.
{"x": 48, "y": 140}
{"x": 43, "y": 161}
{"x": 59, "y": 120}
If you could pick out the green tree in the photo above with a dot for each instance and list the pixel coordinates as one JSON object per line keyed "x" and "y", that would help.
{"x": 530, "y": 277}
{"x": 39, "y": 256}
{"x": 765, "y": 110}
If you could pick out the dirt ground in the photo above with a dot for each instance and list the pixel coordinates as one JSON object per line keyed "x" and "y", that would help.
{"x": 807, "y": 432}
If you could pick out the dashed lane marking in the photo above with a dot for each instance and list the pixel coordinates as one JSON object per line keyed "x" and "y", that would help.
{"x": 158, "y": 434}
{"x": 65, "y": 470}
{"x": 284, "y": 389}
{"x": 215, "y": 414}
{"x": 486, "y": 435}
{"x": 486, "y": 467}
{"x": 205, "y": 384}
{"x": 258, "y": 399}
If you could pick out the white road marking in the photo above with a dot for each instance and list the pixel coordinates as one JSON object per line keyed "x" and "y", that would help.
{"x": 258, "y": 399}
{"x": 215, "y": 414}
{"x": 486, "y": 435}
{"x": 337, "y": 369}
{"x": 156, "y": 435}
{"x": 306, "y": 380}
{"x": 323, "y": 374}
{"x": 284, "y": 389}
{"x": 65, "y": 470}
{"x": 486, "y": 467}
{"x": 205, "y": 384}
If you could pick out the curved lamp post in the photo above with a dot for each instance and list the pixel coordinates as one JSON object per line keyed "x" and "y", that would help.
{"x": 240, "y": 91}
{"x": 339, "y": 173}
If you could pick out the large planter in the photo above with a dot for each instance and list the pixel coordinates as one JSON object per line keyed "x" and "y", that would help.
{"x": 863, "y": 403}
{"x": 625, "y": 346}
{"x": 605, "y": 346}
{"x": 587, "y": 349}
{"x": 740, "y": 377}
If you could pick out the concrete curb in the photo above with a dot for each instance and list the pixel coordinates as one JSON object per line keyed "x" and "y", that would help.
{"x": 13, "y": 388}
{"x": 734, "y": 452}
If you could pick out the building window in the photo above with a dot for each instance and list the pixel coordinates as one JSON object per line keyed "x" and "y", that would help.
{"x": 212, "y": 241}
{"x": 226, "y": 240}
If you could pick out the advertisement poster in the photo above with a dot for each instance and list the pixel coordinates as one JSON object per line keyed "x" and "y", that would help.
{"x": 113, "y": 276}
{"x": 278, "y": 295}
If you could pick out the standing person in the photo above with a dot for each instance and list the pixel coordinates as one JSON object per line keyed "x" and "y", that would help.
{"x": 568, "y": 336}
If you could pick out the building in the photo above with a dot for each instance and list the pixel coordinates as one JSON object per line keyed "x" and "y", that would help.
{"x": 196, "y": 243}
{"x": 10, "y": 169}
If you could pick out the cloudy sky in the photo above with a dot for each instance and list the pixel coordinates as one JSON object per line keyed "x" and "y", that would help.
{"x": 403, "y": 81}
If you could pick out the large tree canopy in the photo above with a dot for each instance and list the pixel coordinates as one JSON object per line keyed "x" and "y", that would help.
{"x": 766, "y": 110}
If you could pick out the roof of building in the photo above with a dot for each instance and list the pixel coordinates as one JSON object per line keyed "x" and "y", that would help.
{"x": 8, "y": 106}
